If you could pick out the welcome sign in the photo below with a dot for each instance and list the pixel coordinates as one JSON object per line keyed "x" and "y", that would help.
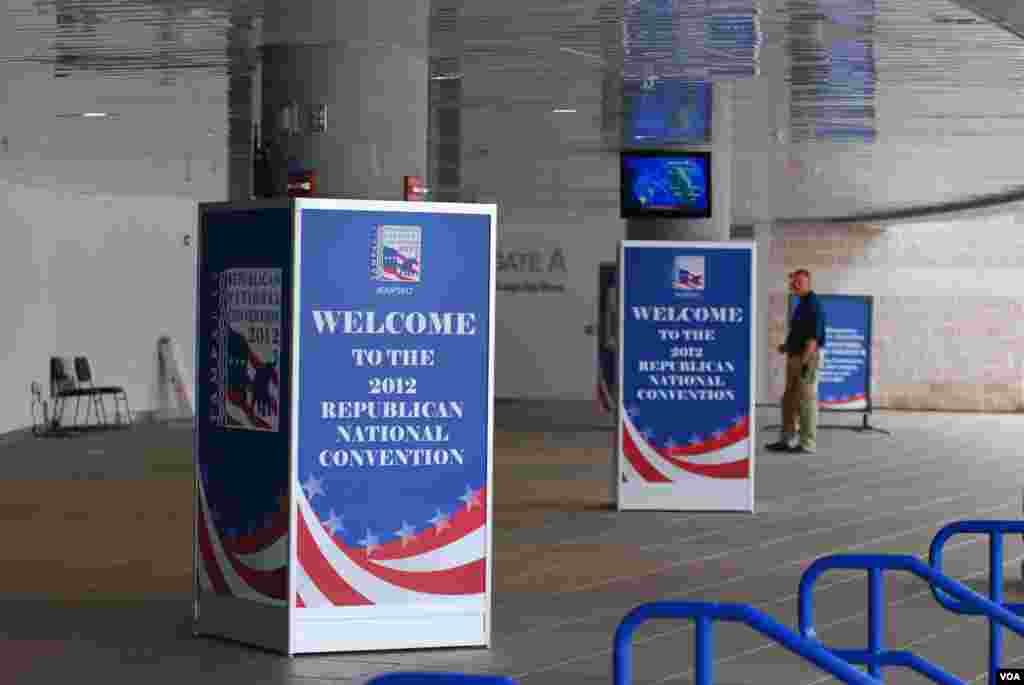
{"x": 394, "y": 386}
{"x": 686, "y": 370}
{"x": 345, "y": 392}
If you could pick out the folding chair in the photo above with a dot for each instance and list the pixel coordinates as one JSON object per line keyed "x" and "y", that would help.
{"x": 83, "y": 372}
{"x": 64, "y": 387}
{"x": 43, "y": 424}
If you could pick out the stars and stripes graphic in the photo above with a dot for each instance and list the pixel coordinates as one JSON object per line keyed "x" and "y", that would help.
{"x": 687, "y": 280}
{"x": 396, "y": 253}
{"x": 439, "y": 559}
{"x": 397, "y": 267}
{"x": 250, "y": 565}
{"x": 722, "y": 455}
{"x": 688, "y": 273}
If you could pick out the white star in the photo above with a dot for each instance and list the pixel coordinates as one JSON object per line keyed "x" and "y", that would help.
{"x": 470, "y": 498}
{"x": 313, "y": 486}
{"x": 830, "y": 398}
{"x": 334, "y": 523}
{"x": 440, "y": 521}
{"x": 370, "y": 542}
{"x": 406, "y": 532}
{"x": 670, "y": 444}
{"x": 844, "y": 398}
{"x": 694, "y": 439}
{"x": 632, "y": 410}
{"x": 647, "y": 433}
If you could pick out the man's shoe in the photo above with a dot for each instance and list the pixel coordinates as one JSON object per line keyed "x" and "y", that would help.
{"x": 780, "y": 446}
{"x": 800, "y": 449}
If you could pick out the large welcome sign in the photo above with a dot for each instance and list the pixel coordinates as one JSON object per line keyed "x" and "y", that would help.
{"x": 686, "y": 370}
{"x": 348, "y": 364}
{"x": 394, "y": 422}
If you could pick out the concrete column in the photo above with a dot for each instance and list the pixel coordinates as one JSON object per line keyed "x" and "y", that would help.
{"x": 366, "y": 61}
{"x": 240, "y": 107}
{"x": 717, "y": 227}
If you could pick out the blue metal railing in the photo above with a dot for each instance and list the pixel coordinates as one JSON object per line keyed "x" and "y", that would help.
{"x": 995, "y": 530}
{"x": 876, "y": 656}
{"x": 704, "y": 614}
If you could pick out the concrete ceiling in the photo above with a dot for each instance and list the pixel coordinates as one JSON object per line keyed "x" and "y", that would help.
{"x": 881, "y": 78}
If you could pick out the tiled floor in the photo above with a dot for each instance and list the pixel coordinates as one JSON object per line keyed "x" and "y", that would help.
{"x": 95, "y": 568}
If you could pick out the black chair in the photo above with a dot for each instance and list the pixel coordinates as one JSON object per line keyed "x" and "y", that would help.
{"x": 64, "y": 387}
{"x": 83, "y": 373}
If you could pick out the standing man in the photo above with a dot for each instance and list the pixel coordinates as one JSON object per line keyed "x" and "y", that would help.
{"x": 802, "y": 348}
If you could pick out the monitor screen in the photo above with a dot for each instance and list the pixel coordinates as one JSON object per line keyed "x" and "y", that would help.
{"x": 676, "y": 184}
{"x": 666, "y": 112}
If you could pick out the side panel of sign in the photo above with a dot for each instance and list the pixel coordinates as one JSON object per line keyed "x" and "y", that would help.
{"x": 242, "y": 410}
{"x": 607, "y": 332}
{"x": 686, "y": 413}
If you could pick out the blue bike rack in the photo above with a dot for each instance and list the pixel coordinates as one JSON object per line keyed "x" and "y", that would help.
{"x": 876, "y": 656}
{"x": 704, "y": 614}
{"x": 995, "y": 530}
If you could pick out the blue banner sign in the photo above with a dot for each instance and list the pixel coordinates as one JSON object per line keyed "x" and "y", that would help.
{"x": 395, "y": 383}
{"x": 686, "y": 369}
{"x": 845, "y": 378}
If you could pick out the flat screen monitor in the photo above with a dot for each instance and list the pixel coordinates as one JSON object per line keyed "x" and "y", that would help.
{"x": 665, "y": 184}
{"x": 666, "y": 112}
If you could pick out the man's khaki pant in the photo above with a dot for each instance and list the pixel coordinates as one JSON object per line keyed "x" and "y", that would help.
{"x": 800, "y": 401}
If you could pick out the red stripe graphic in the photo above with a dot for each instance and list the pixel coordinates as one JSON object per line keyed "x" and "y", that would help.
{"x": 237, "y": 399}
{"x": 299, "y": 604}
{"x": 391, "y": 271}
{"x": 461, "y": 580}
{"x": 461, "y": 523}
{"x": 273, "y": 584}
{"x": 220, "y": 586}
{"x": 848, "y": 400}
{"x": 261, "y": 539}
{"x": 735, "y": 469}
{"x": 737, "y": 433}
{"x": 322, "y": 574}
{"x": 639, "y": 461}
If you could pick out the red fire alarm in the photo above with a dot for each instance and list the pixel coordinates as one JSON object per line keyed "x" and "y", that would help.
{"x": 415, "y": 189}
{"x": 301, "y": 183}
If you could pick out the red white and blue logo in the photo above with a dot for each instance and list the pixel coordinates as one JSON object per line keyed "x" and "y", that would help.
{"x": 396, "y": 254}
{"x": 688, "y": 273}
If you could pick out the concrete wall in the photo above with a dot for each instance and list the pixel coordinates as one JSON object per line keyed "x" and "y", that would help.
{"x": 949, "y": 300}
{"x": 94, "y": 214}
{"x": 92, "y": 274}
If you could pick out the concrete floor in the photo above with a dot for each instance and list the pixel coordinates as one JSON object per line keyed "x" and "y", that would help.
{"x": 96, "y": 565}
